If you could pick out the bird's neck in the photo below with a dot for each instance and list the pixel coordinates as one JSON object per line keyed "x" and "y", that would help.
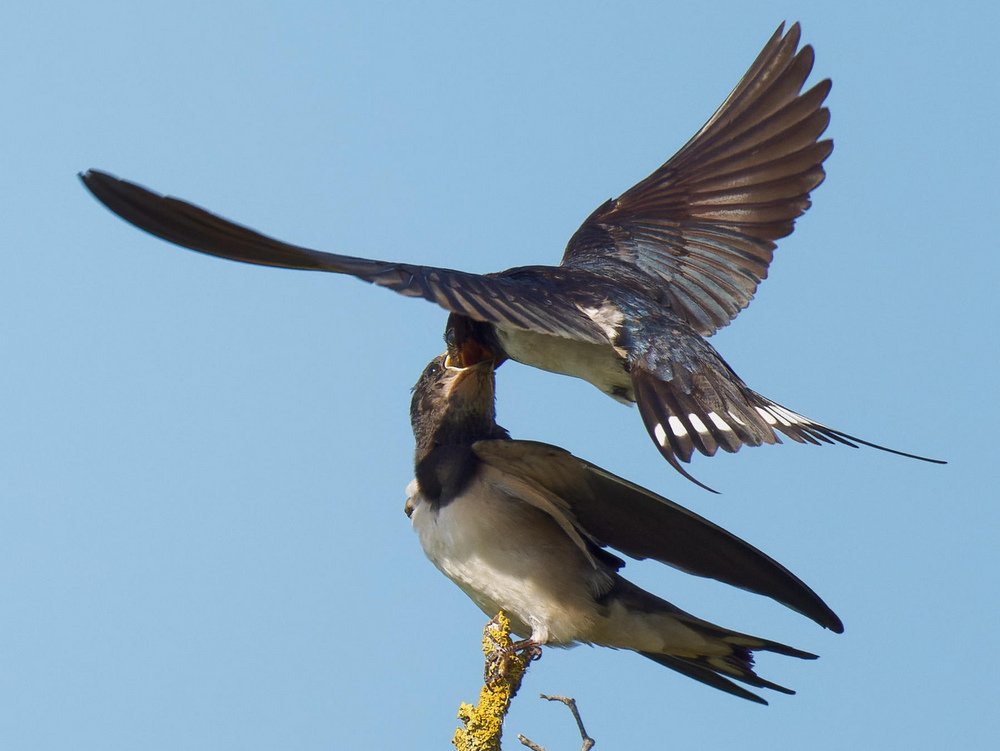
{"x": 445, "y": 460}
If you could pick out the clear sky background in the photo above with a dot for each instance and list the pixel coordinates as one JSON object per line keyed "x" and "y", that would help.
{"x": 202, "y": 539}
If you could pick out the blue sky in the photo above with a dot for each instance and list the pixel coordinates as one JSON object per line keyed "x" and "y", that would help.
{"x": 202, "y": 539}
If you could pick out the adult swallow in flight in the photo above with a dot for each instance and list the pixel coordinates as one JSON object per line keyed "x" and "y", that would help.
{"x": 524, "y": 527}
{"x": 642, "y": 282}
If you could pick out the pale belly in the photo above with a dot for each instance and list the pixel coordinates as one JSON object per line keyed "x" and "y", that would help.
{"x": 599, "y": 364}
{"x": 506, "y": 555}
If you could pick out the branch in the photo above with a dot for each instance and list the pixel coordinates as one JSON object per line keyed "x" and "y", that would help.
{"x": 482, "y": 725}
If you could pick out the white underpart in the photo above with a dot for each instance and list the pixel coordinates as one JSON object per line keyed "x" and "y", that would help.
{"x": 599, "y": 364}
{"x": 507, "y": 555}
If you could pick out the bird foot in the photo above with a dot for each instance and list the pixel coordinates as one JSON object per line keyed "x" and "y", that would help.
{"x": 508, "y": 660}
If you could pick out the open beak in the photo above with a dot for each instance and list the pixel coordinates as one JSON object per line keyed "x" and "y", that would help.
{"x": 466, "y": 343}
{"x": 471, "y": 383}
{"x": 480, "y": 368}
{"x": 469, "y": 354}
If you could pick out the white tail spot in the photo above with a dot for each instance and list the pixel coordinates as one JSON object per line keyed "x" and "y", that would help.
{"x": 781, "y": 418}
{"x": 719, "y": 422}
{"x": 660, "y": 434}
{"x": 677, "y": 426}
{"x": 768, "y": 417}
{"x": 789, "y": 415}
{"x": 698, "y": 424}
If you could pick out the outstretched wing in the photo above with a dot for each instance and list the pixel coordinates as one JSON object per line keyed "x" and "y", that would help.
{"x": 615, "y": 512}
{"x": 703, "y": 226}
{"x": 507, "y": 300}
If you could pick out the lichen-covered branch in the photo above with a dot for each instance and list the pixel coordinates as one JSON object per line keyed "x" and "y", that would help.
{"x": 482, "y": 724}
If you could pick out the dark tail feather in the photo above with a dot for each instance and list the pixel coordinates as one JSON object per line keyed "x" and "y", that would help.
{"x": 701, "y": 420}
{"x": 704, "y": 675}
{"x": 670, "y": 446}
{"x": 804, "y": 430}
{"x": 737, "y": 665}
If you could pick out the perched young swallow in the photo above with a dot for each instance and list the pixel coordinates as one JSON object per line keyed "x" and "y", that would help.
{"x": 523, "y": 527}
{"x": 642, "y": 282}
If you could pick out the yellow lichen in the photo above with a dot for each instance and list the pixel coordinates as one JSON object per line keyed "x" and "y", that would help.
{"x": 483, "y": 723}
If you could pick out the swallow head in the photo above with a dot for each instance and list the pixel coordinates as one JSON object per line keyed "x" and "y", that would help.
{"x": 453, "y": 405}
{"x": 470, "y": 342}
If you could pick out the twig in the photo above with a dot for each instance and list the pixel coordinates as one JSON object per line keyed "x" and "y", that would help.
{"x": 588, "y": 742}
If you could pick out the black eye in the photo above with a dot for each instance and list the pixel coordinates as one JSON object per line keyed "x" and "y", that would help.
{"x": 430, "y": 374}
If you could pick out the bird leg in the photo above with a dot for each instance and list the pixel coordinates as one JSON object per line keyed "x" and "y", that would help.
{"x": 508, "y": 656}
{"x": 505, "y": 661}
{"x": 532, "y": 650}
